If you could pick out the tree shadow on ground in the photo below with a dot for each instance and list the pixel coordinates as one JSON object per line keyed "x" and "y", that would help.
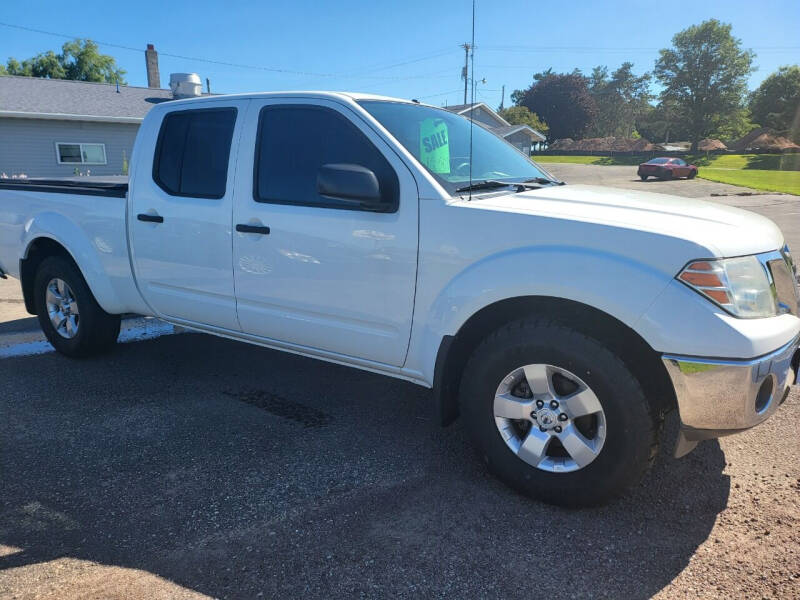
{"x": 774, "y": 162}
{"x": 234, "y": 470}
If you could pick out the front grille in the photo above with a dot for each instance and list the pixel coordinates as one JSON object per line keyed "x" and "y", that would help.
{"x": 785, "y": 284}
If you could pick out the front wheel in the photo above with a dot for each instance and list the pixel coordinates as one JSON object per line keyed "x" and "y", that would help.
{"x": 68, "y": 313}
{"x": 692, "y": 174}
{"x": 556, "y": 415}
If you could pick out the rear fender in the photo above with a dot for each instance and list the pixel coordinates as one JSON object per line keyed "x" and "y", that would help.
{"x": 86, "y": 254}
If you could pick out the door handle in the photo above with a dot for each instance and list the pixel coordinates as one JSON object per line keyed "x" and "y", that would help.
{"x": 150, "y": 218}
{"x": 244, "y": 228}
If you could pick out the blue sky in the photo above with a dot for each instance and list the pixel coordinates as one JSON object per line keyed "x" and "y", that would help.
{"x": 408, "y": 49}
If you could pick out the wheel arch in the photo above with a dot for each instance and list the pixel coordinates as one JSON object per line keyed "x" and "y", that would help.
{"x": 35, "y": 253}
{"x": 454, "y": 350}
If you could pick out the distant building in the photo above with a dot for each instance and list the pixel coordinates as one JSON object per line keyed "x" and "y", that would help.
{"x": 523, "y": 137}
{"x": 53, "y": 127}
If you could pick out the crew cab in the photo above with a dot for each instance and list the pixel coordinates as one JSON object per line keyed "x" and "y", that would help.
{"x": 561, "y": 322}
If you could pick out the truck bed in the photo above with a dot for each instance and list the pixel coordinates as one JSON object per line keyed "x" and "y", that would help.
{"x": 91, "y": 186}
{"x": 84, "y": 215}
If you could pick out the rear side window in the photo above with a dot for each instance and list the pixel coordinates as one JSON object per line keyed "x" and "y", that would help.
{"x": 192, "y": 152}
{"x": 295, "y": 141}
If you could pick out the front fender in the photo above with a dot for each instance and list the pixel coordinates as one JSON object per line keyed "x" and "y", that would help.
{"x": 611, "y": 282}
{"x": 97, "y": 256}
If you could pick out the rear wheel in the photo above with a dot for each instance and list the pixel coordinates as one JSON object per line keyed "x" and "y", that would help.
{"x": 643, "y": 177}
{"x": 68, "y": 313}
{"x": 556, "y": 415}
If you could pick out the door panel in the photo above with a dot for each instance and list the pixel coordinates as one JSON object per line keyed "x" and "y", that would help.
{"x": 325, "y": 277}
{"x": 183, "y": 264}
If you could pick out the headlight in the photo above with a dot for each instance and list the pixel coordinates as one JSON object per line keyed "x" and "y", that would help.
{"x": 739, "y": 285}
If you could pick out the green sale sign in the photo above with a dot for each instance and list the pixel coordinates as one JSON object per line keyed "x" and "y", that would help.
{"x": 434, "y": 146}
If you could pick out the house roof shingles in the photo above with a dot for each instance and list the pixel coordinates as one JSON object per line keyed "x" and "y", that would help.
{"x": 501, "y": 130}
{"x": 97, "y": 101}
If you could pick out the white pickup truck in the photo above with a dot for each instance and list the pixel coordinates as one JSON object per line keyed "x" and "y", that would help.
{"x": 561, "y": 322}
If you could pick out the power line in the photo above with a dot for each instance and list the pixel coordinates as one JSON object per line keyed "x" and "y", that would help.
{"x": 252, "y": 67}
{"x": 524, "y": 48}
{"x": 383, "y": 66}
{"x": 440, "y": 94}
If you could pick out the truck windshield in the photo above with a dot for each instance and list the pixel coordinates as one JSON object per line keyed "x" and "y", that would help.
{"x": 440, "y": 141}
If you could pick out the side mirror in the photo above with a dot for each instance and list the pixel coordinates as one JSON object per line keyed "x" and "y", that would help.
{"x": 352, "y": 184}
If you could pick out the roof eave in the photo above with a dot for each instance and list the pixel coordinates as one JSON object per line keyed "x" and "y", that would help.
{"x": 17, "y": 114}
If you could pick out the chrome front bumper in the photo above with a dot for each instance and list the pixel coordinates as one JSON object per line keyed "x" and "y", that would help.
{"x": 720, "y": 397}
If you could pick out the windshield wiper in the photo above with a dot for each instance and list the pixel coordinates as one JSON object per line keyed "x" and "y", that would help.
{"x": 484, "y": 184}
{"x": 528, "y": 184}
{"x": 545, "y": 181}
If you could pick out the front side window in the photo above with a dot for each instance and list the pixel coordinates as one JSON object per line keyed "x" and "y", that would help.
{"x": 295, "y": 141}
{"x": 81, "y": 154}
{"x": 440, "y": 141}
{"x": 192, "y": 152}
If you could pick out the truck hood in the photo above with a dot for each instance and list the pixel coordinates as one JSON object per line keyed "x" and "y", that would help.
{"x": 723, "y": 230}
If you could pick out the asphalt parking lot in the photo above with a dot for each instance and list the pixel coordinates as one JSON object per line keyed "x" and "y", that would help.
{"x": 189, "y": 467}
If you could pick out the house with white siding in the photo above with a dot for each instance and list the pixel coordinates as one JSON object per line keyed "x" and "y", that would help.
{"x": 57, "y": 128}
{"x": 523, "y": 137}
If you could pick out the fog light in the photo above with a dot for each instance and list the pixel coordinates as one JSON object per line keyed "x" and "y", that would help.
{"x": 764, "y": 394}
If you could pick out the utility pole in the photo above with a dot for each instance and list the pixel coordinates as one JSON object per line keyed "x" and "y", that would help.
{"x": 503, "y": 97}
{"x": 465, "y": 71}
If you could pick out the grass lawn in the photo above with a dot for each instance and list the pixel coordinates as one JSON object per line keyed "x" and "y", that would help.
{"x": 769, "y": 172}
{"x": 787, "y": 182}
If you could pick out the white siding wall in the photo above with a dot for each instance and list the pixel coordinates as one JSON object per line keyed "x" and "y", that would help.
{"x": 29, "y": 146}
{"x": 482, "y": 116}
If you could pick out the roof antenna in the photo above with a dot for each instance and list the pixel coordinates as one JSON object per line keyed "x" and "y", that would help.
{"x": 472, "y": 99}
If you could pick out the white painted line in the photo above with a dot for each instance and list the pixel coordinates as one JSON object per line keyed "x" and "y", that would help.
{"x": 140, "y": 329}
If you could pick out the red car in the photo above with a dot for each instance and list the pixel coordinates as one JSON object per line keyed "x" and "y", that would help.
{"x": 666, "y": 168}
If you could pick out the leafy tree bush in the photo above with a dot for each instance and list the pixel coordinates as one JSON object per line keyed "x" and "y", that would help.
{"x": 704, "y": 76}
{"x": 563, "y": 101}
{"x": 776, "y": 102}
{"x": 79, "y": 60}
{"x": 520, "y": 115}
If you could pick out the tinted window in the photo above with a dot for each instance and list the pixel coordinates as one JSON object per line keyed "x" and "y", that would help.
{"x": 192, "y": 152}
{"x": 440, "y": 141}
{"x": 680, "y": 162}
{"x": 658, "y": 161}
{"x": 295, "y": 141}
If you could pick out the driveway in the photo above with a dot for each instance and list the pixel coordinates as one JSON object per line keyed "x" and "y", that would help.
{"x": 191, "y": 466}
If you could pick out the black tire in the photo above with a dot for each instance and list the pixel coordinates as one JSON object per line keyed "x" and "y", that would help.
{"x": 692, "y": 174}
{"x": 632, "y": 425}
{"x": 643, "y": 177}
{"x": 97, "y": 331}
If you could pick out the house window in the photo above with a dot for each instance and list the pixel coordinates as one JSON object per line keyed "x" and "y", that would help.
{"x": 80, "y": 154}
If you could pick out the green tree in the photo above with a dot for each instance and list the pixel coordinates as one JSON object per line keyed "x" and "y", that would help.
{"x": 705, "y": 75}
{"x": 79, "y": 60}
{"x": 520, "y": 115}
{"x": 563, "y": 101}
{"x": 14, "y": 67}
{"x": 620, "y": 98}
{"x": 776, "y": 102}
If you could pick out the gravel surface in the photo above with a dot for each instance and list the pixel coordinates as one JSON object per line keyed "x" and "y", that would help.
{"x": 194, "y": 467}
{"x": 191, "y": 464}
